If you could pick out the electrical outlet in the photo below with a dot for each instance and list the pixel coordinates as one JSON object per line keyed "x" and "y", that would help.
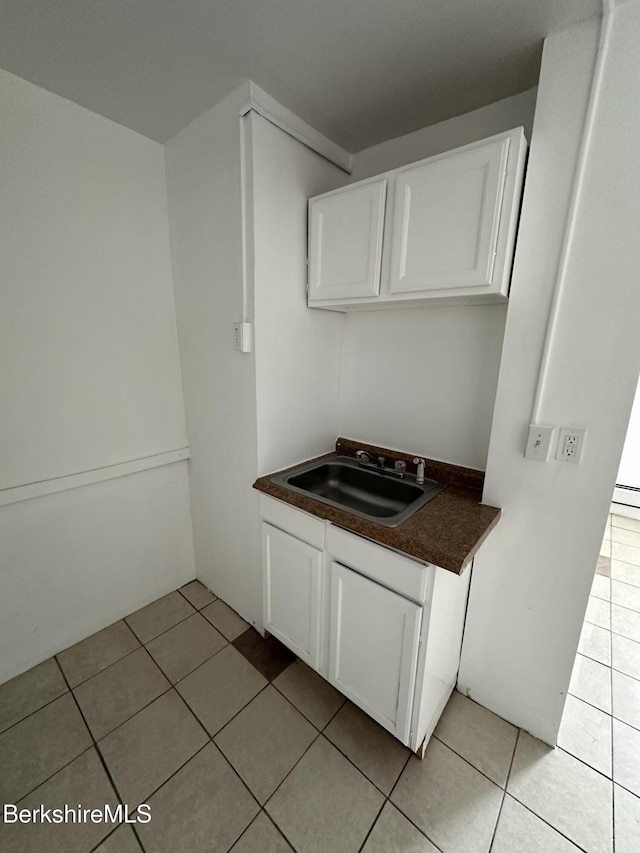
{"x": 570, "y": 445}
{"x": 539, "y": 443}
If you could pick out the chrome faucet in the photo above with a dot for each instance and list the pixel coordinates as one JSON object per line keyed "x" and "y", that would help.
{"x": 419, "y": 462}
{"x": 365, "y": 459}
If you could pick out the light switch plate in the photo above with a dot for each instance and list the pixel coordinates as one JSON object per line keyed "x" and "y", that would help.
{"x": 539, "y": 443}
{"x": 242, "y": 337}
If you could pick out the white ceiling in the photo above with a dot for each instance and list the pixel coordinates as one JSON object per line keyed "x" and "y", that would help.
{"x": 360, "y": 71}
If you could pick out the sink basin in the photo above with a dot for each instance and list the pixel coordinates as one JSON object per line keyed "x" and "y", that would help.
{"x": 342, "y": 482}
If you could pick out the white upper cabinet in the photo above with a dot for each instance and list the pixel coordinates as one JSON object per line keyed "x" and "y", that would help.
{"x": 445, "y": 222}
{"x": 449, "y": 231}
{"x": 345, "y": 230}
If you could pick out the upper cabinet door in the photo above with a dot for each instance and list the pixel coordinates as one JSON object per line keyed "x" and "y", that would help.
{"x": 345, "y": 242}
{"x": 446, "y": 218}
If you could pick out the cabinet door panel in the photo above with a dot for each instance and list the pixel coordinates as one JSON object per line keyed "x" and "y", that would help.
{"x": 374, "y": 648}
{"x": 345, "y": 242}
{"x": 445, "y": 221}
{"x": 292, "y": 572}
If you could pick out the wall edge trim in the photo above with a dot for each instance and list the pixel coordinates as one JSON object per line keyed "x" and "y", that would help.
{"x": 272, "y": 111}
{"x": 27, "y": 491}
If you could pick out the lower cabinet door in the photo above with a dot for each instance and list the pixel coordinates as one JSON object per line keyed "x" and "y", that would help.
{"x": 375, "y": 635}
{"x": 292, "y": 575}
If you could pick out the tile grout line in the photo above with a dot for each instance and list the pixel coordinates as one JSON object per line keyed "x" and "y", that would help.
{"x": 278, "y": 786}
{"x": 31, "y": 713}
{"x": 395, "y": 784}
{"x": 596, "y": 624}
{"x": 171, "y": 686}
{"x": 344, "y": 755}
{"x": 550, "y": 825}
{"x": 155, "y": 637}
{"x": 466, "y": 760}
{"x": 155, "y": 662}
{"x": 375, "y": 821}
{"x": 353, "y": 764}
{"x": 625, "y": 583}
{"x": 282, "y": 781}
{"x": 590, "y": 704}
{"x": 628, "y": 790}
{"x": 180, "y": 588}
{"x": 595, "y": 660}
{"x": 49, "y": 778}
{"x": 613, "y": 808}
{"x": 162, "y": 784}
{"x": 105, "y": 668}
{"x": 319, "y": 733}
{"x": 504, "y": 792}
{"x": 248, "y": 827}
{"x": 237, "y": 773}
{"x": 284, "y": 696}
{"x": 237, "y": 713}
{"x": 135, "y": 714}
{"x": 624, "y": 636}
{"x": 585, "y": 764}
{"x": 275, "y": 826}
{"x": 405, "y": 816}
{"x": 191, "y": 671}
{"x": 139, "y": 641}
{"x": 622, "y": 606}
{"x": 100, "y": 758}
{"x": 626, "y": 674}
{"x": 164, "y": 693}
{"x": 613, "y": 825}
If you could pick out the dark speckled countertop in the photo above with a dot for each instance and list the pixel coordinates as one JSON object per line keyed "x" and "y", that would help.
{"x": 447, "y": 531}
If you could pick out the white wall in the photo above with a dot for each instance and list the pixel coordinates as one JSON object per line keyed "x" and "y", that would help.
{"x": 515, "y": 111}
{"x": 424, "y": 379}
{"x": 629, "y": 471}
{"x": 90, "y": 375}
{"x": 532, "y": 578}
{"x": 298, "y": 351}
{"x": 76, "y": 561}
{"x": 88, "y": 334}
{"x": 204, "y": 189}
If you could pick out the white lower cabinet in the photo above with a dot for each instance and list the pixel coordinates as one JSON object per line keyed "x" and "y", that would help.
{"x": 384, "y": 629}
{"x": 373, "y": 648}
{"x": 292, "y": 574}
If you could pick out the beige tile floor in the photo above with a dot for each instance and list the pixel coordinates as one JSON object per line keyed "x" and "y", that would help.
{"x": 235, "y": 745}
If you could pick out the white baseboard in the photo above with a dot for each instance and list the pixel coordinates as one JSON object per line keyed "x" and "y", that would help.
{"x": 628, "y": 510}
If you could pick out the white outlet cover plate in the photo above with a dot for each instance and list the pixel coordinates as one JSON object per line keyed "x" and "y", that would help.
{"x": 242, "y": 337}
{"x": 579, "y": 436}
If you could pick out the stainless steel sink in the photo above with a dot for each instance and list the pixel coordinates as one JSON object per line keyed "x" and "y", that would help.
{"x": 342, "y": 482}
